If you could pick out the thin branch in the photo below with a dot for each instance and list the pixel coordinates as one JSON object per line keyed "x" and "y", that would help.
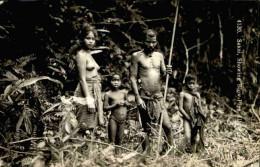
{"x": 25, "y": 140}
{"x": 102, "y": 12}
{"x": 195, "y": 46}
{"x": 187, "y": 53}
{"x": 198, "y": 43}
{"x": 221, "y": 39}
{"x": 131, "y": 22}
{"x": 187, "y": 59}
{"x": 19, "y": 152}
{"x": 253, "y": 105}
{"x": 107, "y": 144}
{"x": 251, "y": 161}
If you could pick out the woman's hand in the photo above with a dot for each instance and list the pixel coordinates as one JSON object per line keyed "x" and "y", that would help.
{"x": 90, "y": 103}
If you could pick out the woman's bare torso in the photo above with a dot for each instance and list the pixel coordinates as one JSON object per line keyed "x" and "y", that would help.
{"x": 91, "y": 66}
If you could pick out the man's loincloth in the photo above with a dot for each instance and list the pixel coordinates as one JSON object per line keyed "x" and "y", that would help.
{"x": 155, "y": 107}
{"x": 155, "y": 104}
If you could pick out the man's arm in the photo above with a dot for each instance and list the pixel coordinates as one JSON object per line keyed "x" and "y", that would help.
{"x": 133, "y": 75}
{"x": 133, "y": 79}
{"x": 165, "y": 69}
{"x": 181, "y": 107}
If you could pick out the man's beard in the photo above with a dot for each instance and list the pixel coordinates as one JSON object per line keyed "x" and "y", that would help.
{"x": 149, "y": 50}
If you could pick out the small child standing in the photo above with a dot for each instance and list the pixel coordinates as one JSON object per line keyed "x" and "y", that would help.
{"x": 193, "y": 117}
{"x": 116, "y": 102}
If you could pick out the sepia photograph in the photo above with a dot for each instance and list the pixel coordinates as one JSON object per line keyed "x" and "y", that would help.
{"x": 134, "y": 83}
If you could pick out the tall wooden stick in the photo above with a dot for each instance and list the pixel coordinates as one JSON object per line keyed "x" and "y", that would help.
{"x": 167, "y": 75}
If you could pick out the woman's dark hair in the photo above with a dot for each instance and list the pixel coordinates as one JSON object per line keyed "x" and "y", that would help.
{"x": 86, "y": 29}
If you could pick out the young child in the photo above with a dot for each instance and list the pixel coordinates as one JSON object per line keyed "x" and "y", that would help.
{"x": 193, "y": 117}
{"x": 116, "y": 102}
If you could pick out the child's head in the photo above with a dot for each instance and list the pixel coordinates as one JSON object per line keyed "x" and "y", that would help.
{"x": 191, "y": 81}
{"x": 116, "y": 80}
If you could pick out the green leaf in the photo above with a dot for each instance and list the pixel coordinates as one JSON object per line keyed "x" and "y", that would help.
{"x": 254, "y": 78}
{"x": 41, "y": 144}
{"x": 51, "y": 139}
{"x": 66, "y": 147}
{"x": 19, "y": 123}
{"x": 102, "y": 30}
{"x": 65, "y": 138}
{"x": 34, "y": 80}
{"x": 10, "y": 76}
{"x": 51, "y": 108}
{"x": 8, "y": 90}
{"x": 67, "y": 127}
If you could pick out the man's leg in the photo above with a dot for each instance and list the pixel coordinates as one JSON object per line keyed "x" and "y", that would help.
{"x": 146, "y": 124}
{"x": 167, "y": 127}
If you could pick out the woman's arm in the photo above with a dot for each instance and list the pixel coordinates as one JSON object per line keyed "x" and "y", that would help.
{"x": 181, "y": 106}
{"x": 81, "y": 64}
{"x": 108, "y": 107}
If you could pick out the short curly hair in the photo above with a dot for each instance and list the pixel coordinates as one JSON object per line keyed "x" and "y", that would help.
{"x": 191, "y": 77}
{"x": 149, "y": 33}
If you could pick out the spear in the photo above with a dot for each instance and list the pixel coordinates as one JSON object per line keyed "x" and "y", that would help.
{"x": 167, "y": 75}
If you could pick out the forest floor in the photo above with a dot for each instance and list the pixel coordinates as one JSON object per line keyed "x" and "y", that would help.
{"x": 230, "y": 140}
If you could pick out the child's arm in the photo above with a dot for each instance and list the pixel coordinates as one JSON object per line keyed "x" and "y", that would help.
{"x": 200, "y": 106}
{"x": 198, "y": 94}
{"x": 108, "y": 107}
{"x": 181, "y": 106}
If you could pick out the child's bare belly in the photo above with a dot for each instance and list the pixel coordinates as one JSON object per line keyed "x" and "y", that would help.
{"x": 119, "y": 113}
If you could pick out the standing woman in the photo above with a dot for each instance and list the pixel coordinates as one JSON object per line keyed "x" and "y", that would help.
{"x": 89, "y": 86}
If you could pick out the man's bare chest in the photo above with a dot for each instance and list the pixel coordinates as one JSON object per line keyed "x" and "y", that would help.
{"x": 149, "y": 62}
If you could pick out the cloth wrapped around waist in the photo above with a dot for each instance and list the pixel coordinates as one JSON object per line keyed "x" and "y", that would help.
{"x": 154, "y": 104}
{"x": 198, "y": 118}
{"x": 86, "y": 119}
